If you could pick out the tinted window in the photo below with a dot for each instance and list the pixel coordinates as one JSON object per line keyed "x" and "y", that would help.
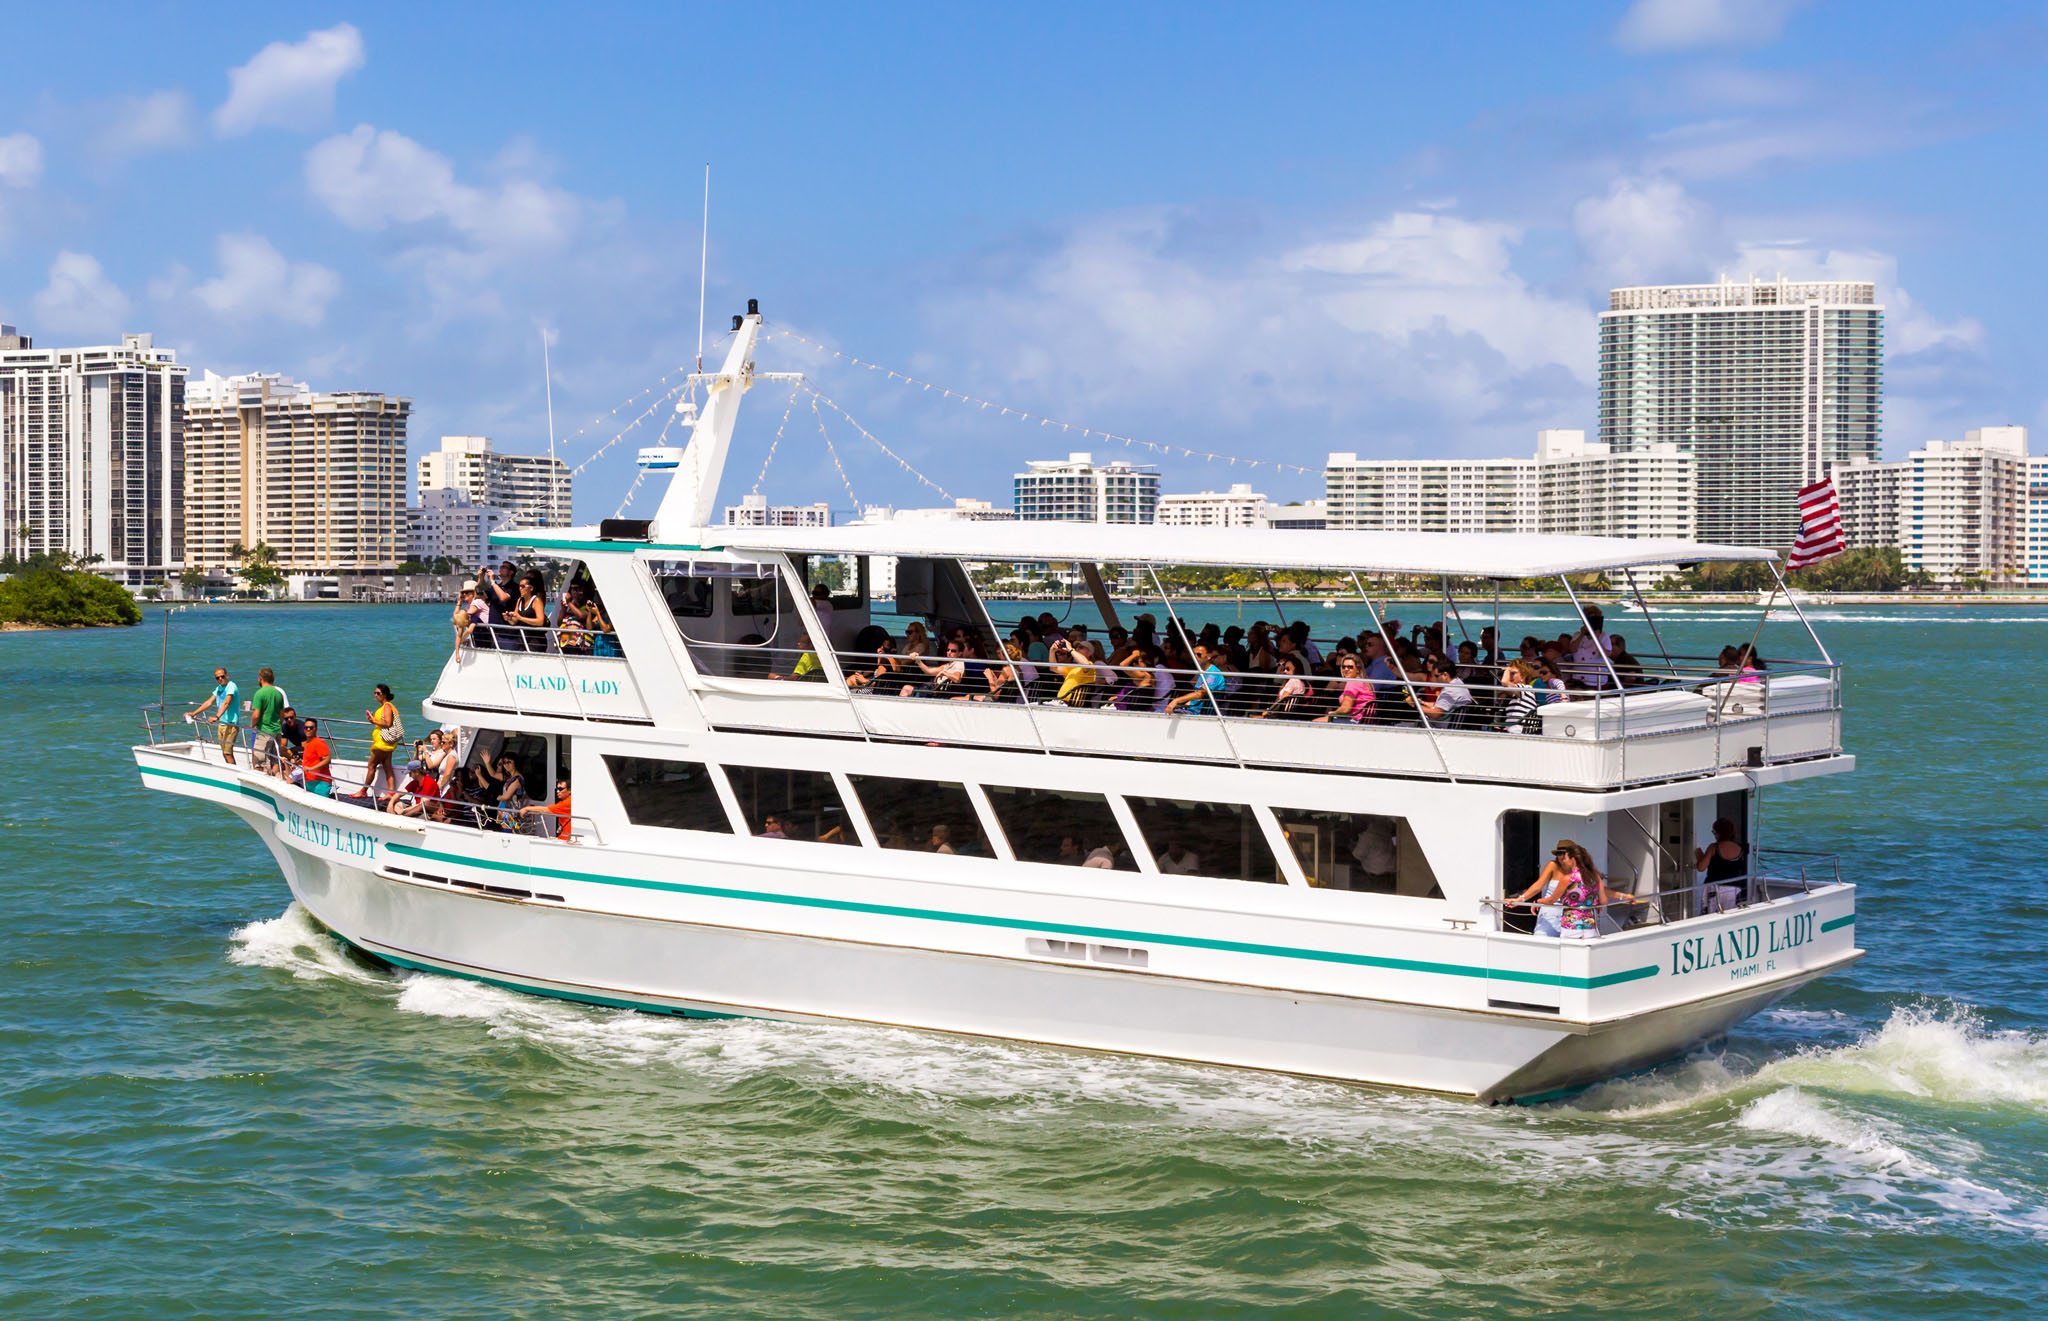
{"x": 1047, "y": 825}
{"x": 1356, "y": 851}
{"x": 800, "y": 804}
{"x": 676, "y": 794}
{"x": 1205, "y": 839}
{"x": 906, "y": 813}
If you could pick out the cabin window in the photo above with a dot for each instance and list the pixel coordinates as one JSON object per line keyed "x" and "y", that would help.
{"x": 786, "y": 804}
{"x": 845, "y": 576}
{"x": 1057, "y": 826}
{"x": 1222, "y": 840}
{"x": 679, "y": 795}
{"x": 529, "y": 753}
{"x": 921, "y": 815}
{"x": 1358, "y": 851}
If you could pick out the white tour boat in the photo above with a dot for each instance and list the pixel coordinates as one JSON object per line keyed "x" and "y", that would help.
{"x": 753, "y": 835}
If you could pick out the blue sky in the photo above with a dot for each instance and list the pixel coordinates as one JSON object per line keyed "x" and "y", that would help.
{"x": 1267, "y": 232}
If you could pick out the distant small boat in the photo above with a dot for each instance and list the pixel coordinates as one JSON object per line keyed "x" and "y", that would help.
{"x": 1329, "y": 605}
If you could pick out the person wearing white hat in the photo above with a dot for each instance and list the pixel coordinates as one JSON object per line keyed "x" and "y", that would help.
{"x": 469, "y": 612}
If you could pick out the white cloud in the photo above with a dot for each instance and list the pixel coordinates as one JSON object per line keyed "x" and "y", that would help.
{"x": 290, "y": 84}
{"x": 1411, "y": 332}
{"x": 21, "y": 160}
{"x": 80, "y": 299}
{"x": 256, "y": 283}
{"x": 1645, "y": 230}
{"x": 374, "y": 180}
{"x": 136, "y": 125}
{"x": 1909, "y": 328}
{"x": 1672, "y": 25}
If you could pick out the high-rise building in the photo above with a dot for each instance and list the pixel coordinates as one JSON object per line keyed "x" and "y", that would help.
{"x": 1076, "y": 489}
{"x": 1960, "y": 511}
{"x": 1766, "y": 384}
{"x": 1240, "y": 506}
{"x": 755, "y": 511}
{"x": 1569, "y": 486}
{"x": 532, "y": 489}
{"x": 446, "y": 525}
{"x": 317, "y": 477}
{"x": 92, "y": 454}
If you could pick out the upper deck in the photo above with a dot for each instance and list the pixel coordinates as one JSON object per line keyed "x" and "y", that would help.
{"x": 718, "y": 629}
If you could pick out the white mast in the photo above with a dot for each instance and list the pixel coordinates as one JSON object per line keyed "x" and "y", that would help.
{"x": 694, "y": 487}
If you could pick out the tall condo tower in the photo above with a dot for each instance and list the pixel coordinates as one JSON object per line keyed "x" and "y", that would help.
{"x": 92, "y": 454}
{"x": 1765, "y": 384}
{"x": 317, "y": 477}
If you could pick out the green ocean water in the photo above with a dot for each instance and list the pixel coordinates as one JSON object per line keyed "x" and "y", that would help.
{"x": 209, "y": 1109}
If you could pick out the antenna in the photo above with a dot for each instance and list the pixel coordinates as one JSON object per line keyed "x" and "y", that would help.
{"x": 547, "y": 377}
{"x": 703, "y": 266}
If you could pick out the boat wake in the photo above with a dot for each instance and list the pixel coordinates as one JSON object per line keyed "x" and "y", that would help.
{"x": 293, "y": 942}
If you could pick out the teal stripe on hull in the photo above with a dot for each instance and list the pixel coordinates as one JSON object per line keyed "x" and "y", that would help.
{"x": 1007, "y": 923}
{"x": 1836, "y": 924}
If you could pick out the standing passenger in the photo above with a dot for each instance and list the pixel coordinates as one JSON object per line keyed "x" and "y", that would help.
{"x": 226, "y": 713}
{"x": 384, "y": 735}
{"x": 266, "y": 715}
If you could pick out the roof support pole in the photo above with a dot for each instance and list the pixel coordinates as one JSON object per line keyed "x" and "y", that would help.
{"x": 1215, "y": 697}
{"x": 1644, "y": 606}
{"x": 1379, "y": 626}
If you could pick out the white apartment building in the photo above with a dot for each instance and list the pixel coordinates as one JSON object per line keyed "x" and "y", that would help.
{"x": 882, "y": 568}
{"x": 1240, "y": 506}
{"x": 533, "y": 489}
{"x": 317, "y": 477}
{"x": 1588, "y": 489}
{"x": 1960, "y": 511}
{"x": 1767, "y": 384}
{"x": 2034, "y": 521}
{"x": 1430, "y": 495}
{"x": 92, "y": 454}
{"x": 1076, "y": 489}
{"x": 755, "y": 511}
{"x": 447, "y": 524}
{"x": 1305, "y": 516}
{"x": 1569, "y": 486}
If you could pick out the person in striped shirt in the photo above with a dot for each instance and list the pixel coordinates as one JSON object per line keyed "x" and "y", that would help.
{"x": 1518, "y": 713}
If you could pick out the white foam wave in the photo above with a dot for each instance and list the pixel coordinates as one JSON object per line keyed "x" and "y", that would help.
{"x": 1944, "y": 1057}
{"x": 1793, "y": 1113}
{"x": 294, "y": 942}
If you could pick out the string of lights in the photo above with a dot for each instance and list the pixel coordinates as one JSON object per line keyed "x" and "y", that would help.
{"x": 1021, "y": 415}
{"x": 834, "y": 452}
{"x": 598, "y": 453}
{"x": 786, "y": 409}
{"x": 870, "y": 437}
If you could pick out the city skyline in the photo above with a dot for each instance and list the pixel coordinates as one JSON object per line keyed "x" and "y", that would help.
{"x": 1406, "y": 275}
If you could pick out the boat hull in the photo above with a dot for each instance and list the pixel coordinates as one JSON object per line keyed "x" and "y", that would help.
{"x": 692, "y": 969}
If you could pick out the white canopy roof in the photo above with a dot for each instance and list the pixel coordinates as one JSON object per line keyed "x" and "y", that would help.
{"x": 1478, "y": 555}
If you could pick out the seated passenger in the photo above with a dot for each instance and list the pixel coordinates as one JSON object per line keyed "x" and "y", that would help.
{"x": 1208, "y": 683}
{"x": 1163, "y": 682}
{"x": 1355, "y": 699}
{"x": 532, "y": 816}
{"x": 809, "y": 669}
{"x": 938, "y": 680}
{"x": 1449, "y": 691}
{"x": 1179, "y": 860}
{"x": 1076, "y": 670}
{"x": 1292, "y": 693}
{"x": 941, "y": 839}
{"x": 1518, "y": 714}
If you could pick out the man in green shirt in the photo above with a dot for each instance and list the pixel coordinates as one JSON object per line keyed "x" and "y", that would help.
{"x": 266, "y": 717}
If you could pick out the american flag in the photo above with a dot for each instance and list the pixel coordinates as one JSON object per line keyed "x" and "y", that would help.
{"x": 1820, "y": 526}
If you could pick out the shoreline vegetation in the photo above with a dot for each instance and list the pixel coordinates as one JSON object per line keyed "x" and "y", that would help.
{"x": 54, "y": 593}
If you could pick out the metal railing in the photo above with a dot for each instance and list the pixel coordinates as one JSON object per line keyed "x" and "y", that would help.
{"x": 1616, "y": 716}
{"x": 1698, "y": 898}
{"x": 551, "y": 639}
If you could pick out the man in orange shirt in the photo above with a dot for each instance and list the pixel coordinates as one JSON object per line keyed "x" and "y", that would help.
{"x": 559, "y": 808}
{"x": 317, "y": 761}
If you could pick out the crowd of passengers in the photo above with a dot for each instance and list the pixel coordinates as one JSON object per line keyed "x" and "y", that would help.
{"x": 490, "y": 793}
{"x": 1261, "y": 672}
{"x": 507, "y": 609}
